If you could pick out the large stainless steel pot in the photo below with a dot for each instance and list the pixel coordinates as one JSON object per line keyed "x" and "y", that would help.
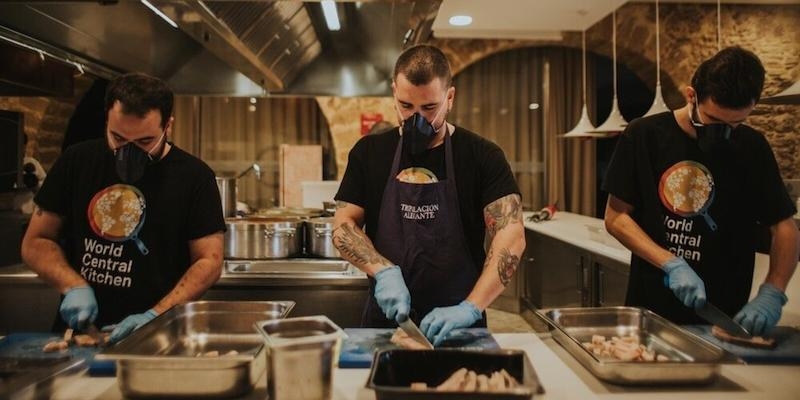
{"x": 288, "y": 212}
{"x": 319, "y": 238}
{"x": 263, "y": 238}
{"x": 227, "y": 192}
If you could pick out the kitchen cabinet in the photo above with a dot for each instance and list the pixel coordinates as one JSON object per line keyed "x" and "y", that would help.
{"x": 560, "y": 274}
{"x": 28, "y": 304}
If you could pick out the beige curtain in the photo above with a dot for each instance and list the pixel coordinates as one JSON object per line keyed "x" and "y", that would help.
{"x": 522, "y": 100}
{"x": 570, "y": 166}
{"x": 494, "y": 98}
{"x": 231, "y": 134}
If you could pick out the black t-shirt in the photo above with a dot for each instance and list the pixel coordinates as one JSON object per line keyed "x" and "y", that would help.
{"x": 109, "y": 225}
{"x": 679, "y": 192}
{"x": 482, "y": 176}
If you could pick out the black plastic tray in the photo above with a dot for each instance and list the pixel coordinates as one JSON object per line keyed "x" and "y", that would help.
{"x": 393, "y": 371}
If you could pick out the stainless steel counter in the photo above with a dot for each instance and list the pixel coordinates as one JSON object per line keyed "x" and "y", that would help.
{"x": 318, "y": 286}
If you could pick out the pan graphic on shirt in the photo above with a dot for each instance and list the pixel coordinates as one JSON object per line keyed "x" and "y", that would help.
{"x": 117, "y": 213}
{"x": 687, "y": 189}
{"x": 417, "y": 175}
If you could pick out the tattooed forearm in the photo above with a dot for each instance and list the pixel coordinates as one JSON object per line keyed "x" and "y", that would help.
{"x": 506, "y": 266}
{"x": 501, "y": 213}
{"x": 355, "y": 246}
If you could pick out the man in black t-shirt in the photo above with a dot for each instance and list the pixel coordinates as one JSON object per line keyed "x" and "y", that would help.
{"x": 688, "y": 189}
{"x": 431, "y": 195}
{"x": 129, "y": 225}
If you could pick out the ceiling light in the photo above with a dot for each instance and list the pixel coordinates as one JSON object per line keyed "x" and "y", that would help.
{"x": 159, "y": 13}
{"x": 331, "y": 15}
{"x": 460, "y": 20}
{"x": 659, "y": 106}
{"x": 789, "y": 96}
{"x": 615, "y": 123}
{"x": 584, "y": 123}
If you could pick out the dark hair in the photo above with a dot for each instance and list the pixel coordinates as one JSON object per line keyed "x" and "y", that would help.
{"x": 421, "y": 64}
{"x": 733, "y": 78}
{"x": 139, "y": 94}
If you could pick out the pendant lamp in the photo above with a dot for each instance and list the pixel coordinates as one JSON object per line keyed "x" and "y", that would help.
{"x": 789, "y": 96}
{"x": 584, "y": 124}
{"x": 615, "y": 123}
{"x": 658, "y": 105}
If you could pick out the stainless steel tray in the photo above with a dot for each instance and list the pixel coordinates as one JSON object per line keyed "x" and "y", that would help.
{"x": 300, "y": 266}
{"x": 691, "y": 359}
{"x": 167, "y": 357}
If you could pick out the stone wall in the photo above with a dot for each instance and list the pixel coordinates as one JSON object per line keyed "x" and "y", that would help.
{"x": 344, "y": 119}
{"x": 46, "y": 120}
{"x": 688, "y": 35}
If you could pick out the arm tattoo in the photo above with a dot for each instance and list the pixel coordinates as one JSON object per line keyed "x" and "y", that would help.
{"x": 356, "y": 247}
{"x": 501, "y": 213}
{"x": 341, "y": 204}
{"x": 506, "y": 266}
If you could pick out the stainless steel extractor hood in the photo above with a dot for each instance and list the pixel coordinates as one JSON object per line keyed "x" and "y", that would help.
{"x": 286, "y": 46}
{"x": 232, "y": 48}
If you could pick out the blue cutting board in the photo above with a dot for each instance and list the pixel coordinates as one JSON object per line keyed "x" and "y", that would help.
{"x": 787, "y": 350}
{"x": 361, "y": 343}
{"x": 28, "y": 345}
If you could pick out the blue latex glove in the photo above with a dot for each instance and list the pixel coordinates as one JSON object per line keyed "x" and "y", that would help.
{"x": 130, "y": 324}
{"x": 762, "y": 313}
{"x": 441, "y": 320}
{"x": 79, "y": 307}
{"x": 684, "y": 282}
{"x": 392, "y": 294}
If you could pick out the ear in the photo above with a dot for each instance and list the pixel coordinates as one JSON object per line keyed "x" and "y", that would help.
{"x": 168, "y": 128}
{"x": 689, "y": 94}
{"x": 451, "y": 95}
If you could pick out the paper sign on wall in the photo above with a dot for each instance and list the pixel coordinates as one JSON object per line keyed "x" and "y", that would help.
{"x": 368, "y": 120}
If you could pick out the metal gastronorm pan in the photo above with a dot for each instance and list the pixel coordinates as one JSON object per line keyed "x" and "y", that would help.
{"x": 394, "y": 370}
{"x": 691, "y": 359}
{"x": 165, "y": 357}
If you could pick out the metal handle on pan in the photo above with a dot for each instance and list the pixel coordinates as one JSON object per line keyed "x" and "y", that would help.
{"x": 268, "y": 233}
{"x": 322, "y": 232}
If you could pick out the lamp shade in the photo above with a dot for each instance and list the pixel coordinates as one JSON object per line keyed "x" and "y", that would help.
{"x": 659, "y": 106}
{"x": 614, "y": 124}
{"x": 583, "y": 127}
{"x": 789, "y": 96}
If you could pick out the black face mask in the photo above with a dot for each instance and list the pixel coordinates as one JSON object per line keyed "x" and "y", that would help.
{"x": 131, "y": 162}
{"x": 710, "y": 136}
{"x": 417, "y": 133}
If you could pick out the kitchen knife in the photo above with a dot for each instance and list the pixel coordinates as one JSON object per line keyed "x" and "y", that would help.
{"x": 95, "y": 334}
{"x": 717, "y": 317}
{"x": 410, "y": 328}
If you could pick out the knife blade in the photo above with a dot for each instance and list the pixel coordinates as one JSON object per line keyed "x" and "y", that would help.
{"x": 410, "y": 328}
{"x": 717, "y": 317}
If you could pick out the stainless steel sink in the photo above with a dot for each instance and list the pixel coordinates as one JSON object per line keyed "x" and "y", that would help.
{"x": 289, "y": 267}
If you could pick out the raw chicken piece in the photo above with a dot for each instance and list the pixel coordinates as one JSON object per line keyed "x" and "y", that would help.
{"x": 401, "y": 338}
{"x": 51, "y": 347}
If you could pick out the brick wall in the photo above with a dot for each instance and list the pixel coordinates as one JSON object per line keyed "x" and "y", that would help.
{"x": 46, "y": 120}
{"x": 688, "y": 35}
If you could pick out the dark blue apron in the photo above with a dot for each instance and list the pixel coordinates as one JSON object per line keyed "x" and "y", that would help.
{"x": 420, "y": 230}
